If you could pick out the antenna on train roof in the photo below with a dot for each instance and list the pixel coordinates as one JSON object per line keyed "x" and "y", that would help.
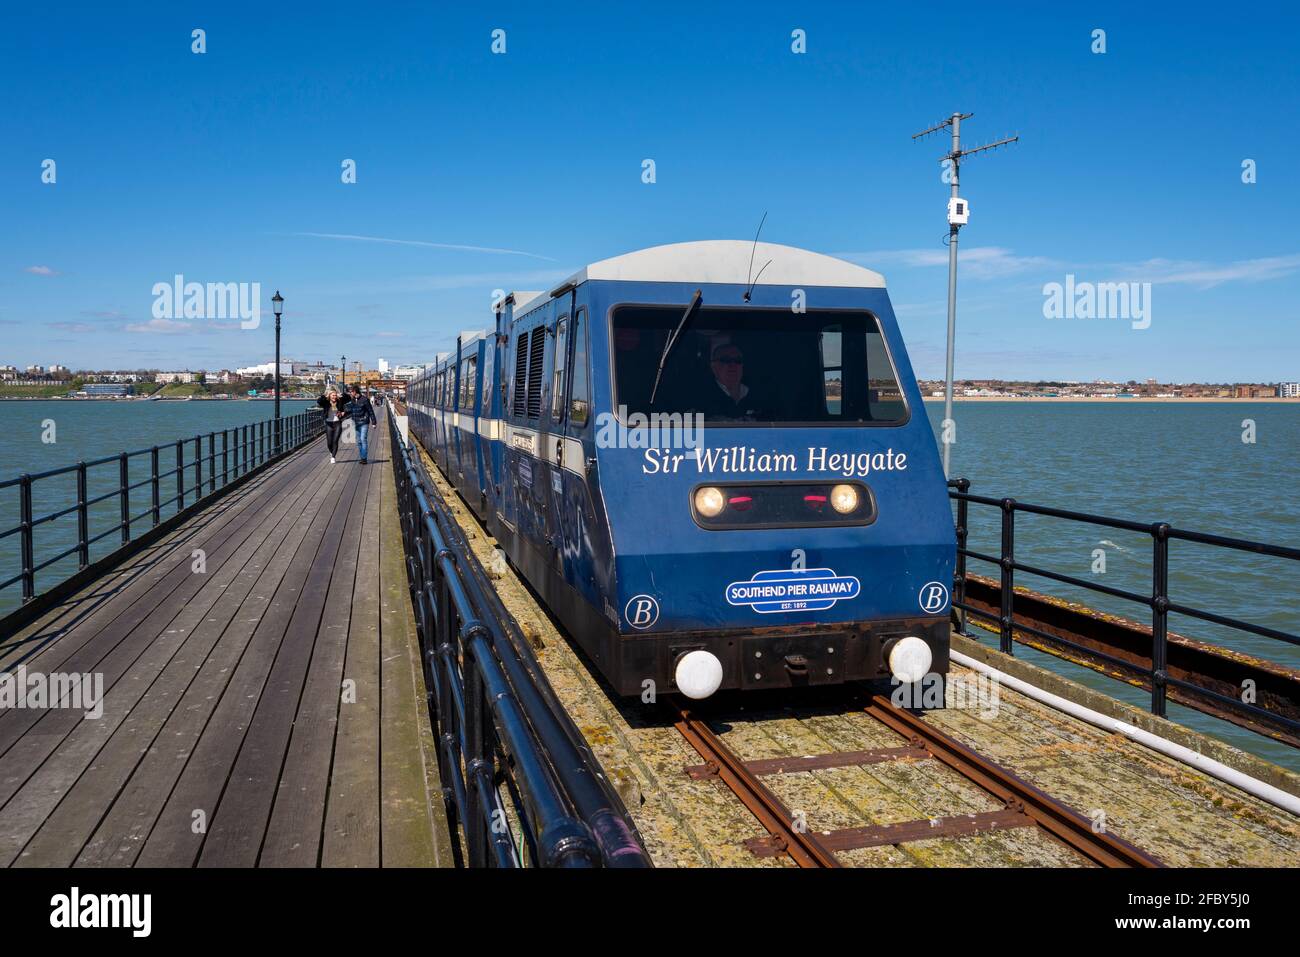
{"x": 958, "y": 216}
{"x": 749, "y": 286}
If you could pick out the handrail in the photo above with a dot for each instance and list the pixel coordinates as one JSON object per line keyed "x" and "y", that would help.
{"x": 254, "y": 446}
{"x": 1159, "y": 602}
{"x": 508, "y": 756}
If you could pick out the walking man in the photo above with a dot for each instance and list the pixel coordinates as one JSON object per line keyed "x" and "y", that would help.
{"x": 362, "y": 414}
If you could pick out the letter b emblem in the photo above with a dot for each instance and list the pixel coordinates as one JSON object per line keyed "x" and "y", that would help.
{"x": 933, "y": 597}
{"x": 641, "y": 611}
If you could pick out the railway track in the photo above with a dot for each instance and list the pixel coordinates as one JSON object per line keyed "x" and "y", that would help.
{"x": 1023, "y": 805}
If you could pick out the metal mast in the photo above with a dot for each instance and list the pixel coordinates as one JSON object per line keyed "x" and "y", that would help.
{"x": 958, "y": 215}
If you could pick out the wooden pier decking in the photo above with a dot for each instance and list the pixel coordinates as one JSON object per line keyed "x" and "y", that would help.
{"x": 263, "y": 700}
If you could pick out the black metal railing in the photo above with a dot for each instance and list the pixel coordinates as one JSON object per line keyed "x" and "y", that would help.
{"x": 1158, "y": 602}
{"x": 517, "y": 778}
{"x": 238, "y": 451}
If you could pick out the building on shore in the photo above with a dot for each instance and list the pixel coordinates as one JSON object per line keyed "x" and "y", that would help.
{"x": 107, "y": 389}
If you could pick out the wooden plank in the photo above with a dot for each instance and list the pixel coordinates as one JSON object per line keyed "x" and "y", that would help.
{"x": 407, "y": 808}
{"x": 244, "y": 808}
{"x": 293, "y": 837}
{"x": 351, "y": 837}
{"x": 71, "y": 631}
{"x": 258, "y": 744}
{"x": 27, "y": 742}
{"x": 120, "y": 836}
{"x": 178, "y": 834}
{"x": 145, "y": 607}
{"x": 66, "y": 830}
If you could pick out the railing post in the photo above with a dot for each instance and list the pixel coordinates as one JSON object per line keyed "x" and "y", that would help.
{"x": 83, "y": 518}
{"x": 198, "y": 467}
{"x": 1159, "y": 616}
{"x": 124, "y": 492}
{"x": 153, "y": 484}
{"x": 225, "y": 456}
{"x": 28, "y": 553}
{"x": 1007, "y": 564}
{"x": 475, "y": 836}
{"x": 963, "y": 531}
{"x": 212, "y": 462}
{"x": 180, "y": 475}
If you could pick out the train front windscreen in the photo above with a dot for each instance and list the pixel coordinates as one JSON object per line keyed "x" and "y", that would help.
{"x": 755, "y": 366}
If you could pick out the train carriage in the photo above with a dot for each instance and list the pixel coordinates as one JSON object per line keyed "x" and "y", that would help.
{"x": 712, "y": 462}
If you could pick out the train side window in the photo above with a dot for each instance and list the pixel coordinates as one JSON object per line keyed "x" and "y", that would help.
{"x": 521, "y": 373}
{"x": 557, "y": 378}
{"x": 579, "y": 397}
{"x": 536, "y": 355}
{"x": 468, "y": 377}
{"x": 832, "y": 369}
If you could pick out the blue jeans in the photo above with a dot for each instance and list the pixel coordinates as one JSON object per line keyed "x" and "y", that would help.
{"x": 363, "y": 434}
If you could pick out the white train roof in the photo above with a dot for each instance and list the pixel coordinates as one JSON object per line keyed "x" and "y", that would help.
{"x": 728, "y": 261}
{"x": 523, "y": 300}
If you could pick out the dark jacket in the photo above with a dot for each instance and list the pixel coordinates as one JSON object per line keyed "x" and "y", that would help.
{"x": 361, "y": 411}
{"x": 324, "y": 403}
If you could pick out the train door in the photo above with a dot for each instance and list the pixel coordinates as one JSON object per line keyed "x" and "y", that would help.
{"x": 514, "y": 379}
{"x": 489, "y": 417}
{"x": 555, "y": 418}
{"x": 576, "y": 510}
{"x": 453, "y": 414}
{"x": 494, "y": 411}
{"x": 525, "y": 471}
{"x": 465, "y": 434}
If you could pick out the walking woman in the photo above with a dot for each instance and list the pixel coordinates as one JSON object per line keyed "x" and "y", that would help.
{"x": 336, "y": 407}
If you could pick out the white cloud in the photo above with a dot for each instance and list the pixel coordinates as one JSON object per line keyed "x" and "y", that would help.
{"x": 164, "y": 326}
{"x": 996, "y": 262}
{"x": 41, "y": 271}
{"x": 1205, "y": 275}
{"x": 975, "y": 262}
{"x": 429, "y": 245}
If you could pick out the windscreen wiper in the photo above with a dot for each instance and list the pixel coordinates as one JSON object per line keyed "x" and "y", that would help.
{"x": 672, "y": 340}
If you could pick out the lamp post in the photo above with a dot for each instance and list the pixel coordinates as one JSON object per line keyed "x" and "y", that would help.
{"x": 277, "y": 303}
{"x": 343, "y": 371}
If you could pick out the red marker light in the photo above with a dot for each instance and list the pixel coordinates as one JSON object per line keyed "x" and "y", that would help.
{"x": 741, "y": 502}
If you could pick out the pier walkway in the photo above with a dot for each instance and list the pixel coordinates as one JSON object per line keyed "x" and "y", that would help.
{"x": 262, "y": 697}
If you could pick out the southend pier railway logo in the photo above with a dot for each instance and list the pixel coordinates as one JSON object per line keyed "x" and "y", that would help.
{"x": 792, "y": 589}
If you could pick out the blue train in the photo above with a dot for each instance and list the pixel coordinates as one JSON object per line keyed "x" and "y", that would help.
{"x": 712, "y": 462}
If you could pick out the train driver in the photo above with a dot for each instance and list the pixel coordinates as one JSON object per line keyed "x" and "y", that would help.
{"x": 734, "y": 399}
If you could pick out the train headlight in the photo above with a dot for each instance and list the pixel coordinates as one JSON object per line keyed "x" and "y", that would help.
{"x": 910, "y": 659}
{"x": 709, "y": 501}
{"x": 844, "y": 499}
{"x": 698, "y": 674}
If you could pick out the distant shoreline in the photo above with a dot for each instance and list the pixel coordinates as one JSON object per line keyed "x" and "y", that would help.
{"x": 1099, "y": 398}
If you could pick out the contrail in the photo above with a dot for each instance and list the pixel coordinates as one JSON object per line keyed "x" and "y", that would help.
{"x": 418, "y": 242}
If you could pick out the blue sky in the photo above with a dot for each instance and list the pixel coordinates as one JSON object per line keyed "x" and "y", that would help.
{"x": 225, "y": 167}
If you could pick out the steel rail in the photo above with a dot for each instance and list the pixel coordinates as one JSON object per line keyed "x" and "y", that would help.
{"x": 803, "y": 846}
{"x": 1058, "y": 820}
